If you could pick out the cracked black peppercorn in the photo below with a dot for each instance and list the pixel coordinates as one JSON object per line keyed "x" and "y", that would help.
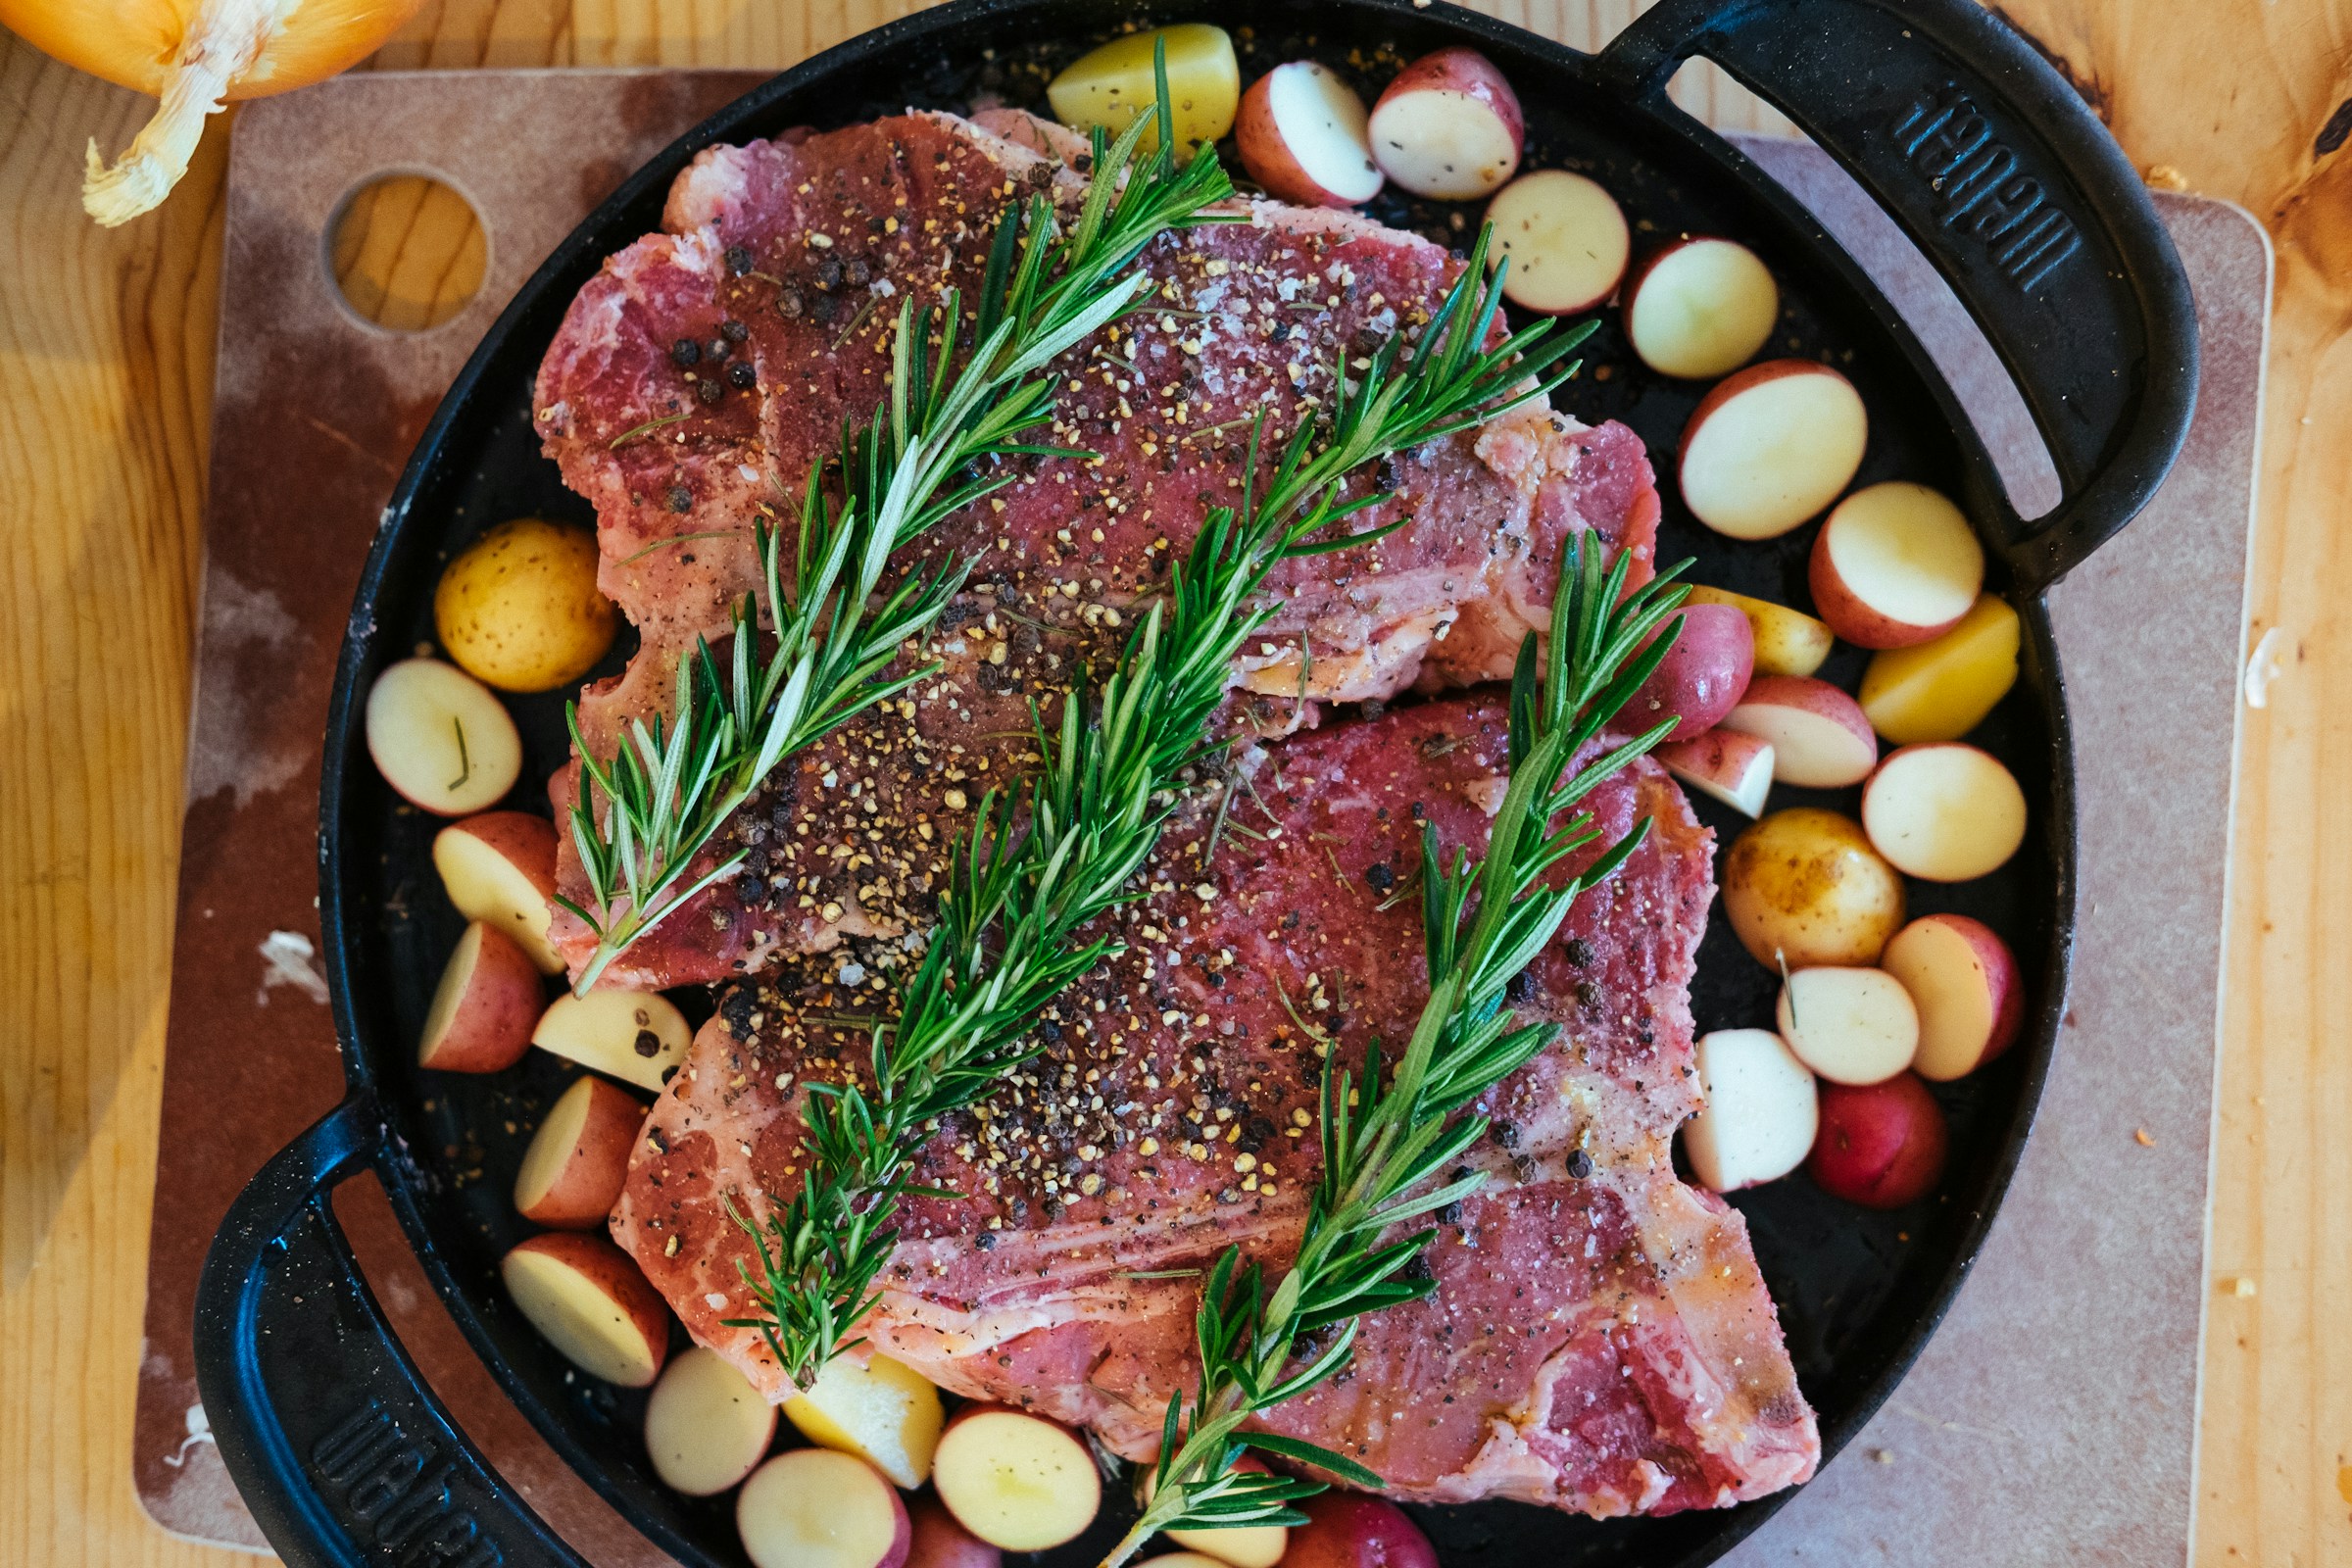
{"x": 1382, "y": 879}
{"x": 710, "y": 389}
{"x": 738, "y": 260}
{"x": 733, "y": 331}
{"x": 741, "y": 375}
{"x": 649, "y": 1044}
{"x": 1580, "y": 1164}
{"x": 685, "y": 354}
{"x": 1579, "y": 951}
{"x": 678, "y": 498}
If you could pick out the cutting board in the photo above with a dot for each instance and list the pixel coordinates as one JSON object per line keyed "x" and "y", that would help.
{"x": 2053, "y": 1417}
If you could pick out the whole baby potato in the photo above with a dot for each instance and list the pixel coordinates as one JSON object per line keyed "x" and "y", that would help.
{"x": 519, "y": 609}
{"x": 1803, "y": 887}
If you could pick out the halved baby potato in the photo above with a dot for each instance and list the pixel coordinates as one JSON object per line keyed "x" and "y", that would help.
{"x": 815, "y": 1508}
{"x": 499, "y": 867}
{"x": 441, "y": 738}
{"x": 636, "y": 1036}
{"x": 481, "y": 1011}
{"x": 1112, "y": 85}
{"x": 588, "y": 1299}
{"x": 1803, "y": 887}
{"x": 1014, "y": 1480}
{"x": 573, "y": 1172}
{"x": 706, "y": 1427}
{"x": 883, "y": 1411}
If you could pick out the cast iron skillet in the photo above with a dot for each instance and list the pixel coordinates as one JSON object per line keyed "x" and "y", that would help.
{"x": 1984, "y": 155}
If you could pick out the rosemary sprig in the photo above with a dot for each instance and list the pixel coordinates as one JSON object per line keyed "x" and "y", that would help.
{"x": 1385, "y": 1134}
{"x": 938, "y": 443}
{"x": 1046, "y": 858}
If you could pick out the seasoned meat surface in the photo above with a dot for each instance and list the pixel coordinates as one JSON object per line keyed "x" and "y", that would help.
{"x": 702, "y": 374}
{"x": 1600, "y": 1339}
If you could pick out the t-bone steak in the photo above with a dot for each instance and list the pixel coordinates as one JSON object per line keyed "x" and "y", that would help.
{"x": 1600, "y": 1339}
{"x": 697, "y": 378}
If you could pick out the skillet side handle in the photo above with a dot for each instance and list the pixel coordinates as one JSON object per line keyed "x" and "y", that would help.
{"x": 2011, "y": 186}
{"x": 335, "y": 1440}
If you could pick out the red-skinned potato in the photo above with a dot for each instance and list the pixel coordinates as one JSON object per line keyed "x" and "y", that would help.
{"x": 1820, "y": 738}
{"x": 1448, "y": 127}
{"x": 1725, "y": 765}
{"x": 1771, "y": 447}
{"x": 1702, "y": 677}
{"x": 572, "y": 1174}
{"x": 500, "y": 866}
{"x": 1965, "y": 983}
{"x": 1015, "y": 1480}
{"x": 484, "y": 1007}
{"x": 937, "y": 1541}
{"x": 1894, "y": 564}
{"x": 588, "y": 1299}
{"x": 1348, "y": 1529}
{"x": 441, "y": 738}
{"x": 819, "y": 1508}
{"x": 1789, "y": 642}
{"x": 1303, "y": 135}
{"x": 1564, "y": 237}
{"x": 1699, "y": 308}
{"x": 1881, "y": 1145}
{"x": 1944, "y": 811}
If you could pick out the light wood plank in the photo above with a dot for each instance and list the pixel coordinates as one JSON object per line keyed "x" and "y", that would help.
{"x": 105, "y": 376}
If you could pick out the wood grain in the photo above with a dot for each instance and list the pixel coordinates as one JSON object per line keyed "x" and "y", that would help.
{"x": 105, "y": 374}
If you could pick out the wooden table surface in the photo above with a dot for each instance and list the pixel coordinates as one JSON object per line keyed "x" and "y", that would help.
{"x": 106, "y": 356}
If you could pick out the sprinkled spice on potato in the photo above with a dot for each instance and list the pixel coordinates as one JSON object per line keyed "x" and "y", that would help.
{"x": 519, "y": 608}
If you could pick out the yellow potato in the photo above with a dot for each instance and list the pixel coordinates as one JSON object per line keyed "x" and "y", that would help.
{"x": 1940, "y": 690}
{"x": 519, "y": 608}
{"x": 1111, "y": 85}
{"x": 1789, "y": 642}
{"x": 884, "y": 1412}
{"x": 1804, "y": 887}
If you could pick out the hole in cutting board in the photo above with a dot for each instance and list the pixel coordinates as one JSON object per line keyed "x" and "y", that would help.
{"x": 406, "y": 251}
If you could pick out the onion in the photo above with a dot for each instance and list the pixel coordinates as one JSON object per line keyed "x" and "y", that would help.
{"x": 194, "y": 55}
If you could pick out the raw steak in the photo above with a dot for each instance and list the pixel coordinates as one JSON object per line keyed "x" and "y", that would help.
{"x": 697, "y": 377}
{"x": 1599, "y": 1340}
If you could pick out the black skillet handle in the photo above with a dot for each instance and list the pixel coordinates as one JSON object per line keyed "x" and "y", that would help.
{"x": 2011, "y": 186}
{"x": 340, "y": 1449}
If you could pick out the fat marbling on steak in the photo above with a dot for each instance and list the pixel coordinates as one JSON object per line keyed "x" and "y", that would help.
{"x": 1600, "y": 1339}
{"x": 700, "y": 373}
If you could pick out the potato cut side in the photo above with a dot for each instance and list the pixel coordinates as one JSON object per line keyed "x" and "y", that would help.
{"x": 1248, "y": 1546}
{"x": 1945, "y": 813}
{"x": 1940, "y": 690}
{"x": 573, "y": 1172}
{"x": 1759, "y": 1114}
{"x": 1702, "y": 309}
{"x": 1448, "y": 127}
{"x": 1820, "y": 738}
{"x": 441, "y": 738}
{"x": 1564, "y": 237}
{"x": 636, "y": 1036}
{"x": 1895, "y": 564}
{"x": 882, "y": 1411}
{"x": 1016, "y": 1481}
{"x": 501, "y": 867}
{"x": 1723, "y": 765}
{"x": 1112, "y": 85}
{"x": 588, "y": 1299}
{"x": 1851, "y": 1026}
{"x": 1771, "y": 447}
{"x": 1303, "y": 135}
{"x": 1965, "y": 982}
{"x": 706, "y": 1427}
{"x": 815, "y": 1508}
